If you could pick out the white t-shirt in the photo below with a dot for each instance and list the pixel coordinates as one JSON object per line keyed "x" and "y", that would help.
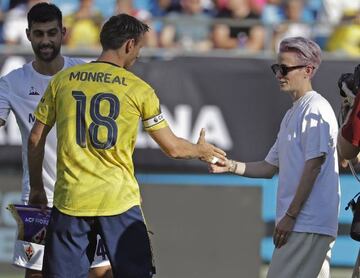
{"x": 20, "y": 92}
{"x": 308, "y": 130}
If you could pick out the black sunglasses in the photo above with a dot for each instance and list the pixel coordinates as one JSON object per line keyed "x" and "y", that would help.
{"x": 284, "y": 69}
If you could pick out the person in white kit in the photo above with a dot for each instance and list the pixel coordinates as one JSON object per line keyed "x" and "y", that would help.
{"x": 304, "y": 155}
{"x": 20, "y": 92}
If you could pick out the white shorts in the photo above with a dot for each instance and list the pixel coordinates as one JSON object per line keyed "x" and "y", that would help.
{"x": 30, "y": 255}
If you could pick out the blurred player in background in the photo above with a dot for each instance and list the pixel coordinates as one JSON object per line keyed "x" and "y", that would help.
{"x": 349, "y": 135}
{"x": 96, "y": 108}
{"x": 20, "y": 92}
{"x": 305, "y": 156}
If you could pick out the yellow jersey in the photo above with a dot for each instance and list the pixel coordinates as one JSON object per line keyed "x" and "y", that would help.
{"x": 96, "y": 108}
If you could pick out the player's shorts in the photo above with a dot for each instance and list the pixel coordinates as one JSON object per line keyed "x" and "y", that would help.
{"x": 29, "y": 247}
{"x": 125, "y": 237}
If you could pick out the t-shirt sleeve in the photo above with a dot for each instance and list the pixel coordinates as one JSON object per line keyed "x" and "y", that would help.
{"x": 4, "y": 99}
{"x": 273, "y": 155}
{"x": 46, "y": 109}
{"x": 152, "y": 117}
{"x": 351, "y": 130}
{"x": 316, "y": 136}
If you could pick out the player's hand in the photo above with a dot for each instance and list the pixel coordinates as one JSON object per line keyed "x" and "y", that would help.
{"x": 283, "y": 230}
{"x": 218, "y": 168}
{"x": 38, "y": 197}
{"x": 208, "y": 152}
{"x": 345, "y": 163}
{"x": 345, "y": 109}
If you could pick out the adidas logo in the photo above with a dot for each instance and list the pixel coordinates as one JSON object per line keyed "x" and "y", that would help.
{"x": 33, "y": 92}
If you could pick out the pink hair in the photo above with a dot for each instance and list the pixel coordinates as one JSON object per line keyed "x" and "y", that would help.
{"x": 308, "y": 51}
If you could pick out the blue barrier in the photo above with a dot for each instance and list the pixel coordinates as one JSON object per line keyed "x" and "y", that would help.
{"x": 345, "y": 249}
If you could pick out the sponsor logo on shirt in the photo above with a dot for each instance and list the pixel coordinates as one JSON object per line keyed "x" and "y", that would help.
{"x": 29, "y": 251}
{"x": 33, "y": 92}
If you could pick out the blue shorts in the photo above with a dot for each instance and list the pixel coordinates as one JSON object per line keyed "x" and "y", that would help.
{"x": 71, "y": 243}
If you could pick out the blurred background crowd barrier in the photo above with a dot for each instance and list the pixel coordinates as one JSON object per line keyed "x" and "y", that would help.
{"x": 250, "y": 26}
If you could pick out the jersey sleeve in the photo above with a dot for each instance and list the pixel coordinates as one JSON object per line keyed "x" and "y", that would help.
{"x": 152, "y": 117}
{"x": 273, "y": 155}
{"x": 4, "y": 99}
{"x": 351, "y": 130}
{"x": 316, "y": 137}
{"x": 46, "y": 109}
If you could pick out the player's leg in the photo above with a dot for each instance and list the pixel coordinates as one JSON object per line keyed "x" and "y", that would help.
{"x": 100, "y": 272}
{"x": 70, "y": 246}
{"x": 100, "y": 267}
{"x": 304, "y": 255}
{"x": 128, "y": 249}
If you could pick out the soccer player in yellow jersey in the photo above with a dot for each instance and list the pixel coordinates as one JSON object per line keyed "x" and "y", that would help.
{"x": 20, "y": 92}
{"x": 96, "y": 108}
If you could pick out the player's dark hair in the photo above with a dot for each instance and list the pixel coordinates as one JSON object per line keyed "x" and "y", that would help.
{"x": 120, "y": 28}
{"x": 44, "y": 12}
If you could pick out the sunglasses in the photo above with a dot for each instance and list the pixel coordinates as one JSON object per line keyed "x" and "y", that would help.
{"x": 284, "y": 69}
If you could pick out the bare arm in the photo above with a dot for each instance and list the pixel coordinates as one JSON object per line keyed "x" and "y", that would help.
{"x": 256, "y": 39}
{"x": 36, "y": 147}
{"x": 311, "y": 170}
{"x": 222, "y": 39}
{"x": 258, "y": 169}
{"x": 286, "y": 224}
{"x": 167, "y": 36}
{"x": 346, "y": 149}
{"x": 179, "y": 148}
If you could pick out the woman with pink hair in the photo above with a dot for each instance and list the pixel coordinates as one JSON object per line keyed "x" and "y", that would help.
{"x": 305, "y": 158}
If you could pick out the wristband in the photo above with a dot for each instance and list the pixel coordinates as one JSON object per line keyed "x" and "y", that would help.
{"x": 233, "y": 166}
{"x": 290, "y": 215}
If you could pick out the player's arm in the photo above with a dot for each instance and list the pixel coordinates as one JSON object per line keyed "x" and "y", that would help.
{"x": 348, "y": 141}
{"x": 179, "y": 148}
{"x": 285, "y": 226}
{"x": 311, "y": 170}
{"x": 346, "y": 149}
{"x": 258, "y": 169}
{"x": 5, "y": 106}
{"x": 36, "y": 146}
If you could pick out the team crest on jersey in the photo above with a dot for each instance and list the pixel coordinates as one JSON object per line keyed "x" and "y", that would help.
{"x": 29, "y": 251}
{"x": 33, "y": 92}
